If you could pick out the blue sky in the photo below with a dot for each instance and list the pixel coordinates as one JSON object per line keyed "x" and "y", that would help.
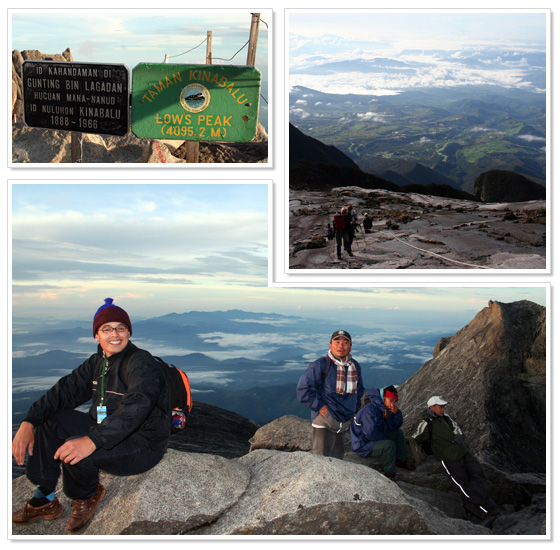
{"x": 162, "y": 248}
{"x": 424, "y": 49}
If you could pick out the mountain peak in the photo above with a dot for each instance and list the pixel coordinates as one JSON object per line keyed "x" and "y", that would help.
{"x": 493, "y": 375}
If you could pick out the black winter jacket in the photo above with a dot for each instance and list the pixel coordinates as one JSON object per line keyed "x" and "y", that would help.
{"x": 137, "y": 400}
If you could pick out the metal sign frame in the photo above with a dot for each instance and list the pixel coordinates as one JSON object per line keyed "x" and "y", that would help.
{"x": 195, "y": 102}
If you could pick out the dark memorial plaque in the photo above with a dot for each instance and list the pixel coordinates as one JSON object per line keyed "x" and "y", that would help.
{"x": 78, "y": 97}
{"x": 195, "y": 102}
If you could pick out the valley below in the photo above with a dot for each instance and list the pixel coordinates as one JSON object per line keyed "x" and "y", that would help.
{"x": 430, "y": 135}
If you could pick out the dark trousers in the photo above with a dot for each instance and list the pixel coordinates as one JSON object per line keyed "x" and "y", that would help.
{"x": 343, "y": 237}
{"x": 390, "y": 449}
{"x": 80, "y": 480}
{"x": 328, "y": 443}
{"x": 468, "y": 475}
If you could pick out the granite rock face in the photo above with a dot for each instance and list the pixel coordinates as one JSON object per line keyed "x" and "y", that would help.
{"x": 416, "y": 230}
{"x": 264, "y": 492}
{"x": 182, "y": 492}
{"x": 492, "y": 373}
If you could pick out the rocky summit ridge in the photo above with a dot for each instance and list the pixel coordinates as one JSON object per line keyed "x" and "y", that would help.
{"x": 235, "y": 479}
{"x": 417, "y": 231}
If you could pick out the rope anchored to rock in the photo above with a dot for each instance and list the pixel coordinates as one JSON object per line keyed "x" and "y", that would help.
{"x": 434, "y": 253}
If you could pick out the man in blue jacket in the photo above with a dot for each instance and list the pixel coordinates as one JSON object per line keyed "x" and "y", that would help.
{"x": 332, "y": 388}
{"x": 376, "y": 431}
{"x": 125, "y": 432}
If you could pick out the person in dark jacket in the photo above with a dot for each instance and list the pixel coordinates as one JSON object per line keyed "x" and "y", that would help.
{"x": 343, "y": 232}
{"x": 376, "y": 431}
{"x": 447, "y": 443}
{"x": 125, "y": 432}
{"x": 332, "y": 388}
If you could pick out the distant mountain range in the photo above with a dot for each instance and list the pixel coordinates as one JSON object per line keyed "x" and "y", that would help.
{"x": 426, "y": 136}
{"x": 245, "y": 362}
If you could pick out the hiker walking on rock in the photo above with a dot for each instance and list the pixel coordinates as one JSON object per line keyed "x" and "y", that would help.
{"x": 332, "y": 388}
{"x": 376, "y": 430}
{"x": 343, "y": 234}
{"x": 125, "y": 432}
{"x": 442, "y": 437}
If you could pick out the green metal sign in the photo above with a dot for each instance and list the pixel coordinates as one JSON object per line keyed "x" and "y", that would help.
{"x": 195, "y": 102}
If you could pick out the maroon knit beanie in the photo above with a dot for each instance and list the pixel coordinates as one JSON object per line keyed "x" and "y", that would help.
{"x": 110, "y": 313}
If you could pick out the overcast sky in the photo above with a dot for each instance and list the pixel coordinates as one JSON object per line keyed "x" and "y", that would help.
{"x": 425, "y": 49}
{"x": 163, "y": 248}
{"x": 74, "y": 244}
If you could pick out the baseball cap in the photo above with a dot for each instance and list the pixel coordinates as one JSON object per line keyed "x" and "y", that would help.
{"x": 341, "y": 334}
{"x": 436, "y": 400}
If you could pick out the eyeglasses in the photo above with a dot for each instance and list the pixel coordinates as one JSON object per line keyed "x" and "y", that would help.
{"x": 109, "y": 330}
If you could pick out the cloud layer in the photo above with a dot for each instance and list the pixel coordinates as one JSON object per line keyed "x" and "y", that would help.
{"x": 381, "y": 54}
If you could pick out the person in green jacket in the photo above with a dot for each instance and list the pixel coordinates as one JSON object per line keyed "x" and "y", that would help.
{"x": 448, "y": 445}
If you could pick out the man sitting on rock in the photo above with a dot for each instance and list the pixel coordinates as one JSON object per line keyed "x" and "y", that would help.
{"x": 125, "y": 432}
{"x": 376, "y": 431}
{"x": 445, "y": 440}
{"x": 332, "y": 388}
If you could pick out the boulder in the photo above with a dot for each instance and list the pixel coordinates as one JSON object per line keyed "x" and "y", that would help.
{"x": 270, "y": 492}
{"x": 290, "y": 433}
{"x": 213, "y": 430}
{"x": 290, "y": 493}
{"x": 38, "y": 145}
{"x": 287, "y": 433}
{"x": 182, "y": 492}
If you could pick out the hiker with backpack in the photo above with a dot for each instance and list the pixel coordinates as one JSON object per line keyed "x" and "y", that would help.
{"x": 343, "y": 233}
{"x": 439, "y": 435}
{"x": 376, "y": 430}
{"x": 329, "y": 231}
{"x": 124, "y": 433}
{"x": 332, "y": 388}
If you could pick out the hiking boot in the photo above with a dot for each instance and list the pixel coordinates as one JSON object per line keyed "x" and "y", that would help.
{"x": 84, "y": 509}
{"x": 390, "y": 475}
{"x": 29, "y": 514}
{"x": 404, "y": 465}
{"x": 474, "y": 510}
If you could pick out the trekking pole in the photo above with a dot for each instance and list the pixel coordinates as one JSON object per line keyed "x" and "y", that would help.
{"x": 356, "y": 233}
